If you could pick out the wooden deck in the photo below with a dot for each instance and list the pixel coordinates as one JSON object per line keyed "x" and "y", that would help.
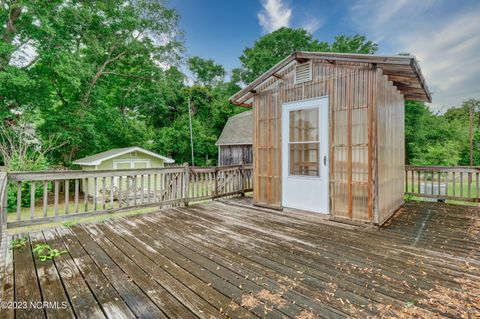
{"x": 218, "y": 260}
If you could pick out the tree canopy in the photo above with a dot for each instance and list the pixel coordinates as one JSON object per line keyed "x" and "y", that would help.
{"x": 441, "y": 139}
{"x": 95, "y": 75}
{"x": 206, "y": 72}
{"x": 274, "y": 47}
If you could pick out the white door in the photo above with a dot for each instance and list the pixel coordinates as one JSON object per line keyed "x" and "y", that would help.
{"x": 305, "y": 155}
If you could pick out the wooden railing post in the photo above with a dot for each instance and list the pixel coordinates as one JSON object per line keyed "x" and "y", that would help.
{"x": 186, "y": 181}
{"x": 242, "y": 178}
{"x": 3, "y": 203}
{"x": 215, "y": 175}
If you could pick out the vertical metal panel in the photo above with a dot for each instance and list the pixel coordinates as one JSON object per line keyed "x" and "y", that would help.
{"x": 391, "y": 147}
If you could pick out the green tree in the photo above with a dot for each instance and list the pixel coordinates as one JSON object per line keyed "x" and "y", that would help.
{"x": 274, "y": 47}
{"x": 459, "y": 119}
{"x": 205, "y": 71}
{"x": 94, "y": 73}
{"x": 444, "y": 153}
{"x": 441, "y": 139}
{"x": 427, "y": 135}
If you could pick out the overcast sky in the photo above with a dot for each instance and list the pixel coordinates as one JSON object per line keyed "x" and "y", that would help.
{"x": 443, "y": 35}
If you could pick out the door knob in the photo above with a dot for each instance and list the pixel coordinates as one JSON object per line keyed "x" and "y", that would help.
{"x": 325, "y": 160}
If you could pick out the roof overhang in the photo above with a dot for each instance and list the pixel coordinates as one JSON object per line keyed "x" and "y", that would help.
{"x": 135, "y": 149}
{"x": 234, "y": 144}
{"x": 403, "y": 70}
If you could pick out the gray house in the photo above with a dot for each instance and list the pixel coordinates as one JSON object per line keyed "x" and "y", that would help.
{"x": 235, "y": 142}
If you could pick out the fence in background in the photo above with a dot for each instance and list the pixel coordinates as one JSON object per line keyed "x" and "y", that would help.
{"x": 443, "y": 182}
{"x": 39, "y": 197}
{"x": 3, "y": 205}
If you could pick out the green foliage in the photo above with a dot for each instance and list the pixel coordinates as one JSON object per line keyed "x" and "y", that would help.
{"x": 18, "y": 243}
{"x": 210, "y": 110}
{"x": 409, "y": 198}
{"x": 353, "y": 44}
{"x": 442, "y": 153}
{"x": 45, "y": 252}
{"x": 96, "y": 65}
{"x": 104, "y": 219}
{"x": 274, "y": 47}
{"x": 107, "y": 74}
{"x": 205, "y": 71}
{"x": 441, "y": 139}
{"x": 21, "y": 151}
{"x": 69, "y": 223}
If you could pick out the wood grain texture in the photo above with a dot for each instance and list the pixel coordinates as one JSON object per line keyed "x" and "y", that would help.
{"x": 235, "y": 261}
{"x": 26, "y": 284}
{"x": 112, "y": 192}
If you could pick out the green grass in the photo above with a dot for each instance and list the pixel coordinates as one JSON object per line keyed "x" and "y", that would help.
{"x": 450, "y": 188}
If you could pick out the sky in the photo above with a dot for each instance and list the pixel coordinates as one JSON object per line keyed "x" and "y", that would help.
{"x": 444, "y": 35}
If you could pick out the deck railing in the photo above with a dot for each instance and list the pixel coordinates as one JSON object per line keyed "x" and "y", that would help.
{"x": 3, "y": 204}
{"x": 457, "y": 183}
{"x": 39, "y": 197}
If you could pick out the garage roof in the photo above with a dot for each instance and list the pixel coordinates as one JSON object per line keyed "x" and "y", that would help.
{"x": 238, "y": 130}
{"x": 97, "y": 159}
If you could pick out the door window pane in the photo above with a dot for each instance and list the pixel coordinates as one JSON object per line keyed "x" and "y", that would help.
{"x": 304, "y": 125}
{"x": 304, "y": 142}
{"x": 304, "y": 159}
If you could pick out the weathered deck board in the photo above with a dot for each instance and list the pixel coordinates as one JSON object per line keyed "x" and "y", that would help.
{"x": 84, "y": 304}
{"x": 140, "y": 304}
{"x": 50, "y": 283}
{"x": 109, "y": 299}
{"x": 234, "y": 261}
{"x": 153, "y": 290}
{"x": 8, "y": 288}
{"x": 26, "y": 284}
{"x": 138, "y": 269}
{"x": 203, "y": 268}
{"x": 179, "y": 280}
{"x": 295, "y": 266}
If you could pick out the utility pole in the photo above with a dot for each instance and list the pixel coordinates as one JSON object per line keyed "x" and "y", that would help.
{"x": 191, "y": 131}
{"x": 471, "y": 136}
{"x": 470, "y": 110}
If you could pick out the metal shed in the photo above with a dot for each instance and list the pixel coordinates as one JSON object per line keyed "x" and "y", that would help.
{"x": 235, "y": 142}
{"x": 329, "y": 133}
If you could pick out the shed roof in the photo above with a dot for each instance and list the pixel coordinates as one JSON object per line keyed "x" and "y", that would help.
{"x": 402, "y": 70}
{"x": 97, "y": 159}
{"x": 238, "y": 130}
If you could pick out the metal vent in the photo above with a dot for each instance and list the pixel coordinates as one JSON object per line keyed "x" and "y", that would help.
{"x": 303, "y": 72}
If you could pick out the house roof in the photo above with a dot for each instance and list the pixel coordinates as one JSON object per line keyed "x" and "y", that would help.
{"x": 97, "y": 159}
{"x": 402, "y": 70}
{"x": 238, "y": 130}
